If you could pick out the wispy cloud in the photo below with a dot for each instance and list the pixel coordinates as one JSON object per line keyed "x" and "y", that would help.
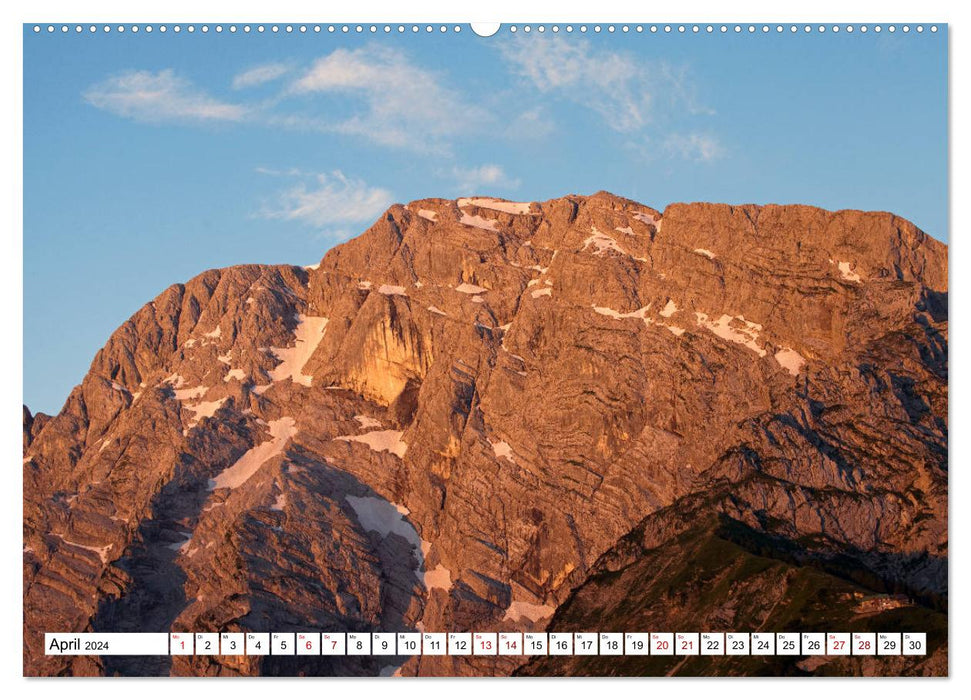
{"x": 324, "y": 199}
{"x": 532, "y": 124}
{"x": 694, "y": 146}
{"x": 404, "y": 105}
{"x": 615, "y": 86}
{"x": 632, "y": 95}
{"x": 375, "y": 93}
{"x": 379, "y": 95}
{"x": 259, "y": 75}
{"x": 489, "y": 176}
{"x": 160, "y": 97}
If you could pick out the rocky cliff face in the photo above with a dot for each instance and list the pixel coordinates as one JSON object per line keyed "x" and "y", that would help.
{"x": 447, "y": 422}
{"x": 716, "y": 573}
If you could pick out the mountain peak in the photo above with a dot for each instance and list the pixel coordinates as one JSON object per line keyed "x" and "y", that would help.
{"x": 450, "y": 419}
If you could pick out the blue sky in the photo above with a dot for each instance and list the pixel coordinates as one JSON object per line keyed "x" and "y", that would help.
{"x": 149, "y": 158}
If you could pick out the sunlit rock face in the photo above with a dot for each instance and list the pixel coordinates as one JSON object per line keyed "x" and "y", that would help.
{"x": 451, "y": 419}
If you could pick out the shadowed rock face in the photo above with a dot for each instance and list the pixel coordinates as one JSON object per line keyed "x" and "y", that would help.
{"x": 719, "y": 574}
{"x": 449, "y": 420}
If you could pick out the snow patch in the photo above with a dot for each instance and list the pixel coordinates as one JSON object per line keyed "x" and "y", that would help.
{"x": 439, "y": 577}
{"x": 544, "y": 292}
{"x": 225, "y": 359}
{"x": 280, "y": 431}
{"x": 639, "y": 313}
{"x": 204, "y": 409}
{"x": 647, "y": 219}
{"x": 391, "y": 290}
{"x": 312, "y": 267}
{"x": 791, "y": 360}
{"x": 846, "y": 272}
{"x": 436, "y": 310}
{"x": 280, "y": 503}
{"x": 478, "y": 222}
{"x": 380, "y": 441}
{"x": 495, "y": 204}
{"x": 102, "y": 552}
{"x": 194, "y": 393}
{"x": 735, "y": 329}
{"x": 704, "y": 251}
{"x": 308, "y": 334}
{"x": 217, "y": 333}
{"x": 669, "y": 309}
{"x": 175, "y": 380}
{"x": 503, "y": 450}
{"x": 467, "y": 288}
{"x": 386, "y": 518}
{"x": 428, "y": 214}
{"x": 626, "y": 229}
{"x": 234, "y": 374}
{"x": 518, "y": 610}
{"x": 181, "y": 546}
{"x": 601, "y": 242}
{"x": 368, "y": 422}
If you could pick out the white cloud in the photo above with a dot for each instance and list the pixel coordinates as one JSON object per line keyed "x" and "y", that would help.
{"x": 532, "y": 124}
{"x": 259, "y": 75}
{"x": 384, "y": 97}
{"x": 287, "y": 172}
{"x": 632, "y": 95}
{"x": 404, "y": 105}
{"x": 378, "y": 93}
{"x": 698, "y": 147}
{"x": 323, "y": 199}
{"x": 160, "y": 97}
{"x": 491, "y": 177}
{"x": 616, "y": 86}
{"x": 373, "y": 92}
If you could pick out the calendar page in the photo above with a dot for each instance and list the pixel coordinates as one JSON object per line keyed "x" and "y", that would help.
{"x": 523, "y": 349}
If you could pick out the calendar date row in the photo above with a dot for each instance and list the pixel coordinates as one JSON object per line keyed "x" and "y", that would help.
{"x": 490, "y": 644}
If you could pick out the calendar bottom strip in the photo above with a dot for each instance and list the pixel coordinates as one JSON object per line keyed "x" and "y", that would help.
{"x": 486, "y": 644}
